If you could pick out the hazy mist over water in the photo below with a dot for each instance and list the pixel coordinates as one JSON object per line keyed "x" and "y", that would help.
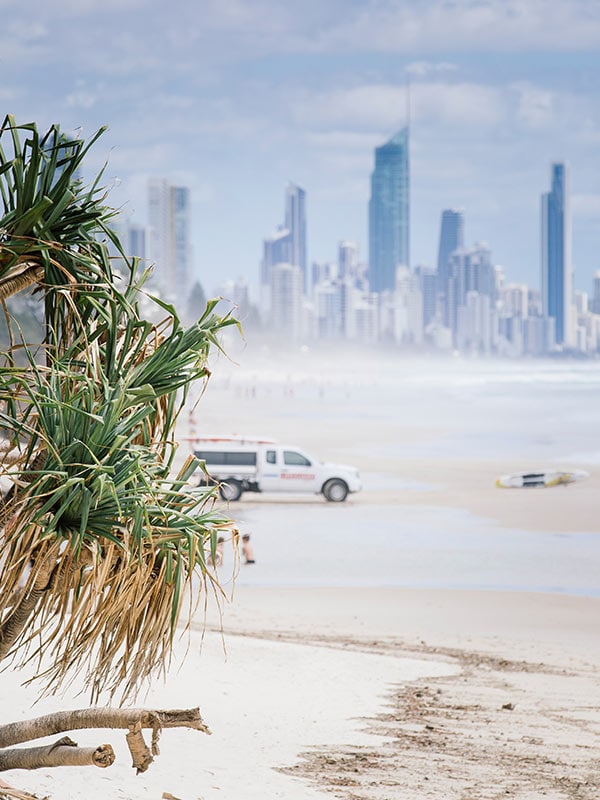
{"x": 533, "y": 414}
{"x": 478, "y": 408}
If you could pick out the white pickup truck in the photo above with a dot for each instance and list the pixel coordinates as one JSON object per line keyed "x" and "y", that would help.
{"x": 241, "y": 465}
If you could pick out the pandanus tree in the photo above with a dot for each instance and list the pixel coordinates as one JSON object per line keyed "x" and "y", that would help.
{"x": 100, "y": 538}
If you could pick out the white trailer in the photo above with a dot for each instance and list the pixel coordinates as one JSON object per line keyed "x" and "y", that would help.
{"x": 251, "y": 464}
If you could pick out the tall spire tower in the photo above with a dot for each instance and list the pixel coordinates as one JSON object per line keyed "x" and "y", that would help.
{"x": 556, "y": 255}
{"x": 389, "y": 208}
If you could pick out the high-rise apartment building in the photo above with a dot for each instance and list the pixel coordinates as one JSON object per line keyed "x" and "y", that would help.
{"x": 169, "y": 246}
{"x": 452, "y": 237}
{"x": 159, "y": 219}
{"x": 427, "y": 278}
{"x": 288, "y": 243}
{"x": 556, "y": 255}
{"x": 450, "y": 250}
{"x": 389, "y": 212}
{"x": 181, "y": 244}
{"x": 277, "y": 249}
{"x": 295, "y": 222}
{"x": 328, "y": 298}
{"x": 514, "y": 300}
{"x": 347, "y": 260}
{"x": 134, "y": 240}
{"x": 595, "y": 300}
{"x": 286, "y": 301}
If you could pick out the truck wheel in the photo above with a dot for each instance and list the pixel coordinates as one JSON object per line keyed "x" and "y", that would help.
{"x": 230, "y": 490}
{"x": 335, "y": 490}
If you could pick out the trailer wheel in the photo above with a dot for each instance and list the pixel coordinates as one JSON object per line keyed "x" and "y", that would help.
{"x": 335, "y": 490}
{"x": 230, "y": 490}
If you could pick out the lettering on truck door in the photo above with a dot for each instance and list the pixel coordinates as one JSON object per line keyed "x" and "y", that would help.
{"x": 297, "y": 472}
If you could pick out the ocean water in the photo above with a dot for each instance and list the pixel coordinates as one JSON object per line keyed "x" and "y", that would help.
{"x": 543, "y": 413}
{"x": 517, "y": 409}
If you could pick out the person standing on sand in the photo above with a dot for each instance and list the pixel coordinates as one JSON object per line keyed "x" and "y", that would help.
{"x": 247, "y": 549}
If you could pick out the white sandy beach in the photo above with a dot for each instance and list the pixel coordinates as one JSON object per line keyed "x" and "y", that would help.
{"x": 326, "y": 685}
{"x": 367, "y": 654}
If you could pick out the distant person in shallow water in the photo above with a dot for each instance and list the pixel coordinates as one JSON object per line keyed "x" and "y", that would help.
{"x": 247, "y": 549}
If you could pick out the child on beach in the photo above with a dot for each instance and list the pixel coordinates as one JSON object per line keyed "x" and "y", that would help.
{"x": 247, "y": 550}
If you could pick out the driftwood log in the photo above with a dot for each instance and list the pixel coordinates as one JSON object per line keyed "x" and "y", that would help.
{"x": 65, "y": 751}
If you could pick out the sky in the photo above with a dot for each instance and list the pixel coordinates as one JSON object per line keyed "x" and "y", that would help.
{"x": 235, "y": 98}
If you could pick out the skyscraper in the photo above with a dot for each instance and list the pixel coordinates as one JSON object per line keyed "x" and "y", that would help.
{"x": 556, "y": 255}
{"x": 288, "y": 243}
{"x": 389, "y": 212}
{"x": 595, "y": 303}
{"x": 277, "y": 249}
{"x": 295, "y": 222}
{"x": 135, "y": 240}
{"x": 347, "y": 260}
{"x": 170, "y": 251}
{"x": 180, "y": 243}
{"x": 452, "y": 237}
{"x": 286, "y": 294}
{"x": 428, "y": 284}
{"x": 159, "y": 221}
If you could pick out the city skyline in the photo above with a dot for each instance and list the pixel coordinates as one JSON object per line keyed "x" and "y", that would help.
{"x": 234, "y": 99}
{"x": 466, "y": 305}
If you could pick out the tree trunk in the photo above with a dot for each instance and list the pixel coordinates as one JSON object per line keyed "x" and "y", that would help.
{"x": 63, "y": 753}
{"x": 19, "y": 616}
{"x": 115, "y": 718}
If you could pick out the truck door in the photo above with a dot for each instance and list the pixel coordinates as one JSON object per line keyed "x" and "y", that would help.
{"x": 297, "y": 471}
{"x": 271, "y": 461}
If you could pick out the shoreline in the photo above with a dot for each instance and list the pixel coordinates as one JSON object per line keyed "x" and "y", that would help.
{"x": 529, "y": 625}
{"x": 514, "y": 715}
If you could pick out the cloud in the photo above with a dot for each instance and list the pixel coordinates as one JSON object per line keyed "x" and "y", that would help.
{"x": 586, "y": 206}
{"x": 113, "y": 33}
{"x": 536, "y": 106}
{"x": 422, "y": 69}
{"x": 468, "y": 25}
{"x": 343, "y": 140}
{"x": 459, "y": 104}
{"x": 75, "y": 8}
{"x": 81, "y": 98}
{"x": 382, "y": 107}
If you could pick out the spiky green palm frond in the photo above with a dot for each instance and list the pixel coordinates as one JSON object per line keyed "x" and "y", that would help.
{"x": 95, "y": 529}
